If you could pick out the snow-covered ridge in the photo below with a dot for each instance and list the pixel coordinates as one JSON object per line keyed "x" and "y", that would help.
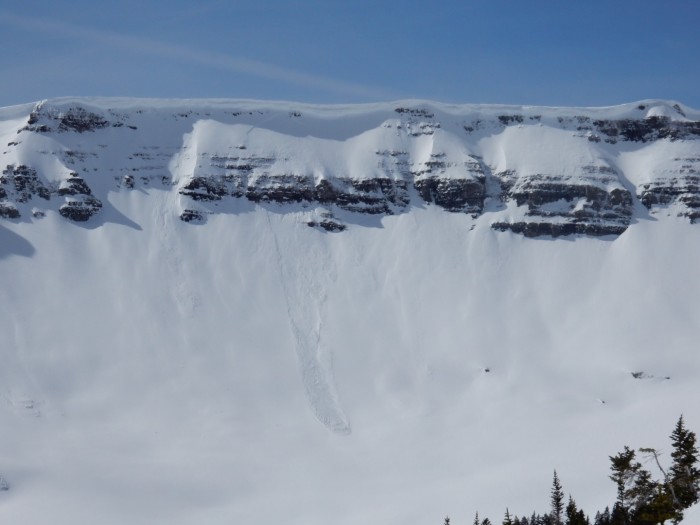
{"x": 531, "y": 170}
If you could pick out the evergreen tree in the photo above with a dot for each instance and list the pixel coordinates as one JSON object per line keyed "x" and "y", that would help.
{"x": 574, "y": 516}
{"x": 618, "y": 516}
{"x": 657, "y": 509}
{"x": 602, "y": 518}
{"x": 622, "y": 468}
{"x": 557, "y": 501}
{"x": 684, "y": 474}
{"x": 541, "y": 519}
{"x": 640, "y": 499}
{"x": 641, "y": 493}
{"x": 507, "y": 520}
{"x": 546, "y": 519}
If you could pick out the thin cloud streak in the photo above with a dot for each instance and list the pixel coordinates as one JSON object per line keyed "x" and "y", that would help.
{"x": 214, "y": 60}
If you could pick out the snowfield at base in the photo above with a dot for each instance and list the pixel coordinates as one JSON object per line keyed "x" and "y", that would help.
{"x": 255, "y": 370}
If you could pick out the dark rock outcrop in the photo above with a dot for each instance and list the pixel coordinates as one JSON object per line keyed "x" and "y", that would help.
{"x": 456, "y": 195}
{"x": 205, "y": 188}
{"x": 680, "y": 185}
{"x": 20, "y": 183}
{"x": 250, "y": 177}
{"x": 191, "y": 216}
{"x": 463, "y": 193}
{"x": 74, "y": 185}
{"x": 282, "y": 189}
{"x": 373, "y": 196}
{"x": 417, "y": 121}
{"x": 646, "y": 130}
{"x": 80, "y": 204}
{"x": 592, "y": 203}
{"x": 329, "y": 226}
{"x": 80, "y": 210}
{"x": 44, "y": 119}
{"x": 557, "y": 229}
{"x": 8, "y": 210}
{"x": 80, "y": 120}
{"x": 327, "y": 222}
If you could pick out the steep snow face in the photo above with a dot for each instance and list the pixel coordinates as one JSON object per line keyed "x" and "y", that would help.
{"x": 409, "y": 356}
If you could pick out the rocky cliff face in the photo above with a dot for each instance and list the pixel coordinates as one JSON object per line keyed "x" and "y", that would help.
{"x": 678, "y": 183}
{"x": 20, "y": 185}
{"x": 532, "y": 171}
{"x": 594, "y": 203}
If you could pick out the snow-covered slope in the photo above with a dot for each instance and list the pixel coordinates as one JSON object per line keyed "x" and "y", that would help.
{"x": 180, "y": 346}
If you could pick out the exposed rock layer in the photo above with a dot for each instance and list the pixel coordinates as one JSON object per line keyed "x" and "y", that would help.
{"x": 413, "y": 164}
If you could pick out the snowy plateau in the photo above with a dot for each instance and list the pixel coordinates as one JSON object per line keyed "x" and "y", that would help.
{"x": 227, "y": 312}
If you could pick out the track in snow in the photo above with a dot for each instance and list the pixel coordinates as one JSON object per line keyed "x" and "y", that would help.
{"x": 302, "y": 280}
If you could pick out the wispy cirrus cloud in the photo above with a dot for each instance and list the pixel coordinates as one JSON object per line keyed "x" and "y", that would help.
{"x": 215, "y": 60}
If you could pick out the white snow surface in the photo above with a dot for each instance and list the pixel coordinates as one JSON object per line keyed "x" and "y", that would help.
{"x": 255, "y": 370}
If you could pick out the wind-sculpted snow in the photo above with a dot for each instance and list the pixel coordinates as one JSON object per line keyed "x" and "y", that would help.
{"x": 537, "y": 171}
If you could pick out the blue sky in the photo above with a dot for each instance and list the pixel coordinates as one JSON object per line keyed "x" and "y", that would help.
{"x": 327, "y": 51}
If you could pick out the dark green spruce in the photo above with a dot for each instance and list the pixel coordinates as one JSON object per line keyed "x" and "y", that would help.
{"x": 641, "y": 499}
